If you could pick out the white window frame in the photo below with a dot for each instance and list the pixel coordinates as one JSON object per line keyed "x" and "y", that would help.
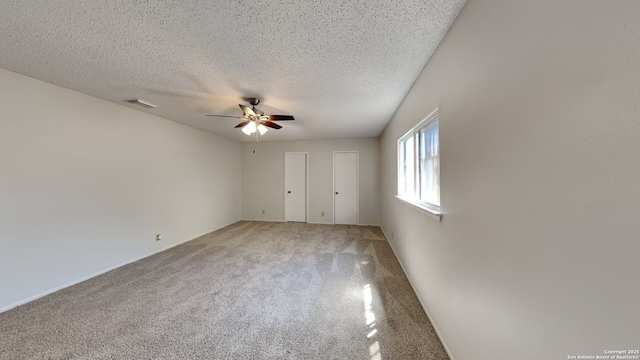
{"x": 412, "y": 199}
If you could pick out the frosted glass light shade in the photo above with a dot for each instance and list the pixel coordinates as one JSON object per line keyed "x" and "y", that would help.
{"x": 263, "y": 129}
{"x": 250, "y": 128}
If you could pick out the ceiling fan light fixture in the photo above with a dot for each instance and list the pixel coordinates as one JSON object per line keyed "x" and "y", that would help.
{"x": 254, "y": 121}
{"x": 250, "y": 128}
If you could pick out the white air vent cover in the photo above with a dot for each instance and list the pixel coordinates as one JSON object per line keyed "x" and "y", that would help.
{"x": 142, "y": 103}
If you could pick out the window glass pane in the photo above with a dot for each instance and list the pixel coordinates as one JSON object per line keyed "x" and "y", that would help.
{"x": 402, "y": 159}
{"x": 419, "y": 164}
{"x": 429, "y": 164}
{"x": 406, "y": 176}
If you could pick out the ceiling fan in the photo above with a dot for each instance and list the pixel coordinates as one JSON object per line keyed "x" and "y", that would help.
{"x": 255, "y": 121}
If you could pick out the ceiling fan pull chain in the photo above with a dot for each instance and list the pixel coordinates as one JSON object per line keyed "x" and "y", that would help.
{"x": 256, "y": 142}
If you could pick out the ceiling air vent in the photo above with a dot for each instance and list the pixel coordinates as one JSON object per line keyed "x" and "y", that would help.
{"x": 144, "y": 104}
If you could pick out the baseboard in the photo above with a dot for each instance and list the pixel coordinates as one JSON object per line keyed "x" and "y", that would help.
{"x": 85, "y": 278}
{"x": 309, "y": 222}
{"x": 264, "y": 220}
{"x": 426, "y": 311}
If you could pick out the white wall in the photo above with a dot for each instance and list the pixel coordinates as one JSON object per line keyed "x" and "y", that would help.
{"x": 263, "y": 178}
{"x": 538, "y": 251}
{"x": 86, "y": 184}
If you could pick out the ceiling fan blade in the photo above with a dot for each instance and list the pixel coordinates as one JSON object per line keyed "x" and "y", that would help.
{"x": 246, "y": 110}
{"x": 270, "y": 124}
{"x": 227, "y": 116}
{"x": 242, "y": 124}
{"x": 258, "y": 112}
{"x": 280, "y": 117}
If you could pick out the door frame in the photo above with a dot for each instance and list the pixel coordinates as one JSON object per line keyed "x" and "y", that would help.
{"x": 306, "y": 184}
{"x": 333, "y": 193}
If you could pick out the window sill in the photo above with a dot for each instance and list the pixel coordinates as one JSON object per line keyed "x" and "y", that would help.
{"x": 423, "y": 209}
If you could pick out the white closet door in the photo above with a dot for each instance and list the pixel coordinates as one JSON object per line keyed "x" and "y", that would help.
{"x": 345, "y": 188}
{"x": 295, "y": 183}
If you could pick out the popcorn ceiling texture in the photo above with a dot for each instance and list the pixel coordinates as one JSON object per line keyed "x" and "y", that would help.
{"x": 341, "y": 67}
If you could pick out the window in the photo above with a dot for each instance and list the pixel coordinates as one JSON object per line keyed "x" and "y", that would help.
{"x": 419, "y": 165}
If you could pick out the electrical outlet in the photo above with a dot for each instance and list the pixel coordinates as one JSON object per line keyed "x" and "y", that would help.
{"x": 322, "y": 214}
{"x": 158, "y": 237}
{"x": 263, "y": 211}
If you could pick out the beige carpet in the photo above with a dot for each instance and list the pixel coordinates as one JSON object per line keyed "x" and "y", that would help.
{"x": 252, "y": 290}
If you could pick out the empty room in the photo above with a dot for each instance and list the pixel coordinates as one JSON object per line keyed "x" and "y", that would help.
{"x": 332, "y": 179}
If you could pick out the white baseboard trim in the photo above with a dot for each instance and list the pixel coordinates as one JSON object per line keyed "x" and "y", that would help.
{"x": 444, "y": 344}
{"x": 263, "y": 220}
{"x": 85, "y": 278}
{"x": 309, "y": 222}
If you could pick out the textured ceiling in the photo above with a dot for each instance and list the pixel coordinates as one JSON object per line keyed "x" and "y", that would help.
{"x": 341, "y": 67}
